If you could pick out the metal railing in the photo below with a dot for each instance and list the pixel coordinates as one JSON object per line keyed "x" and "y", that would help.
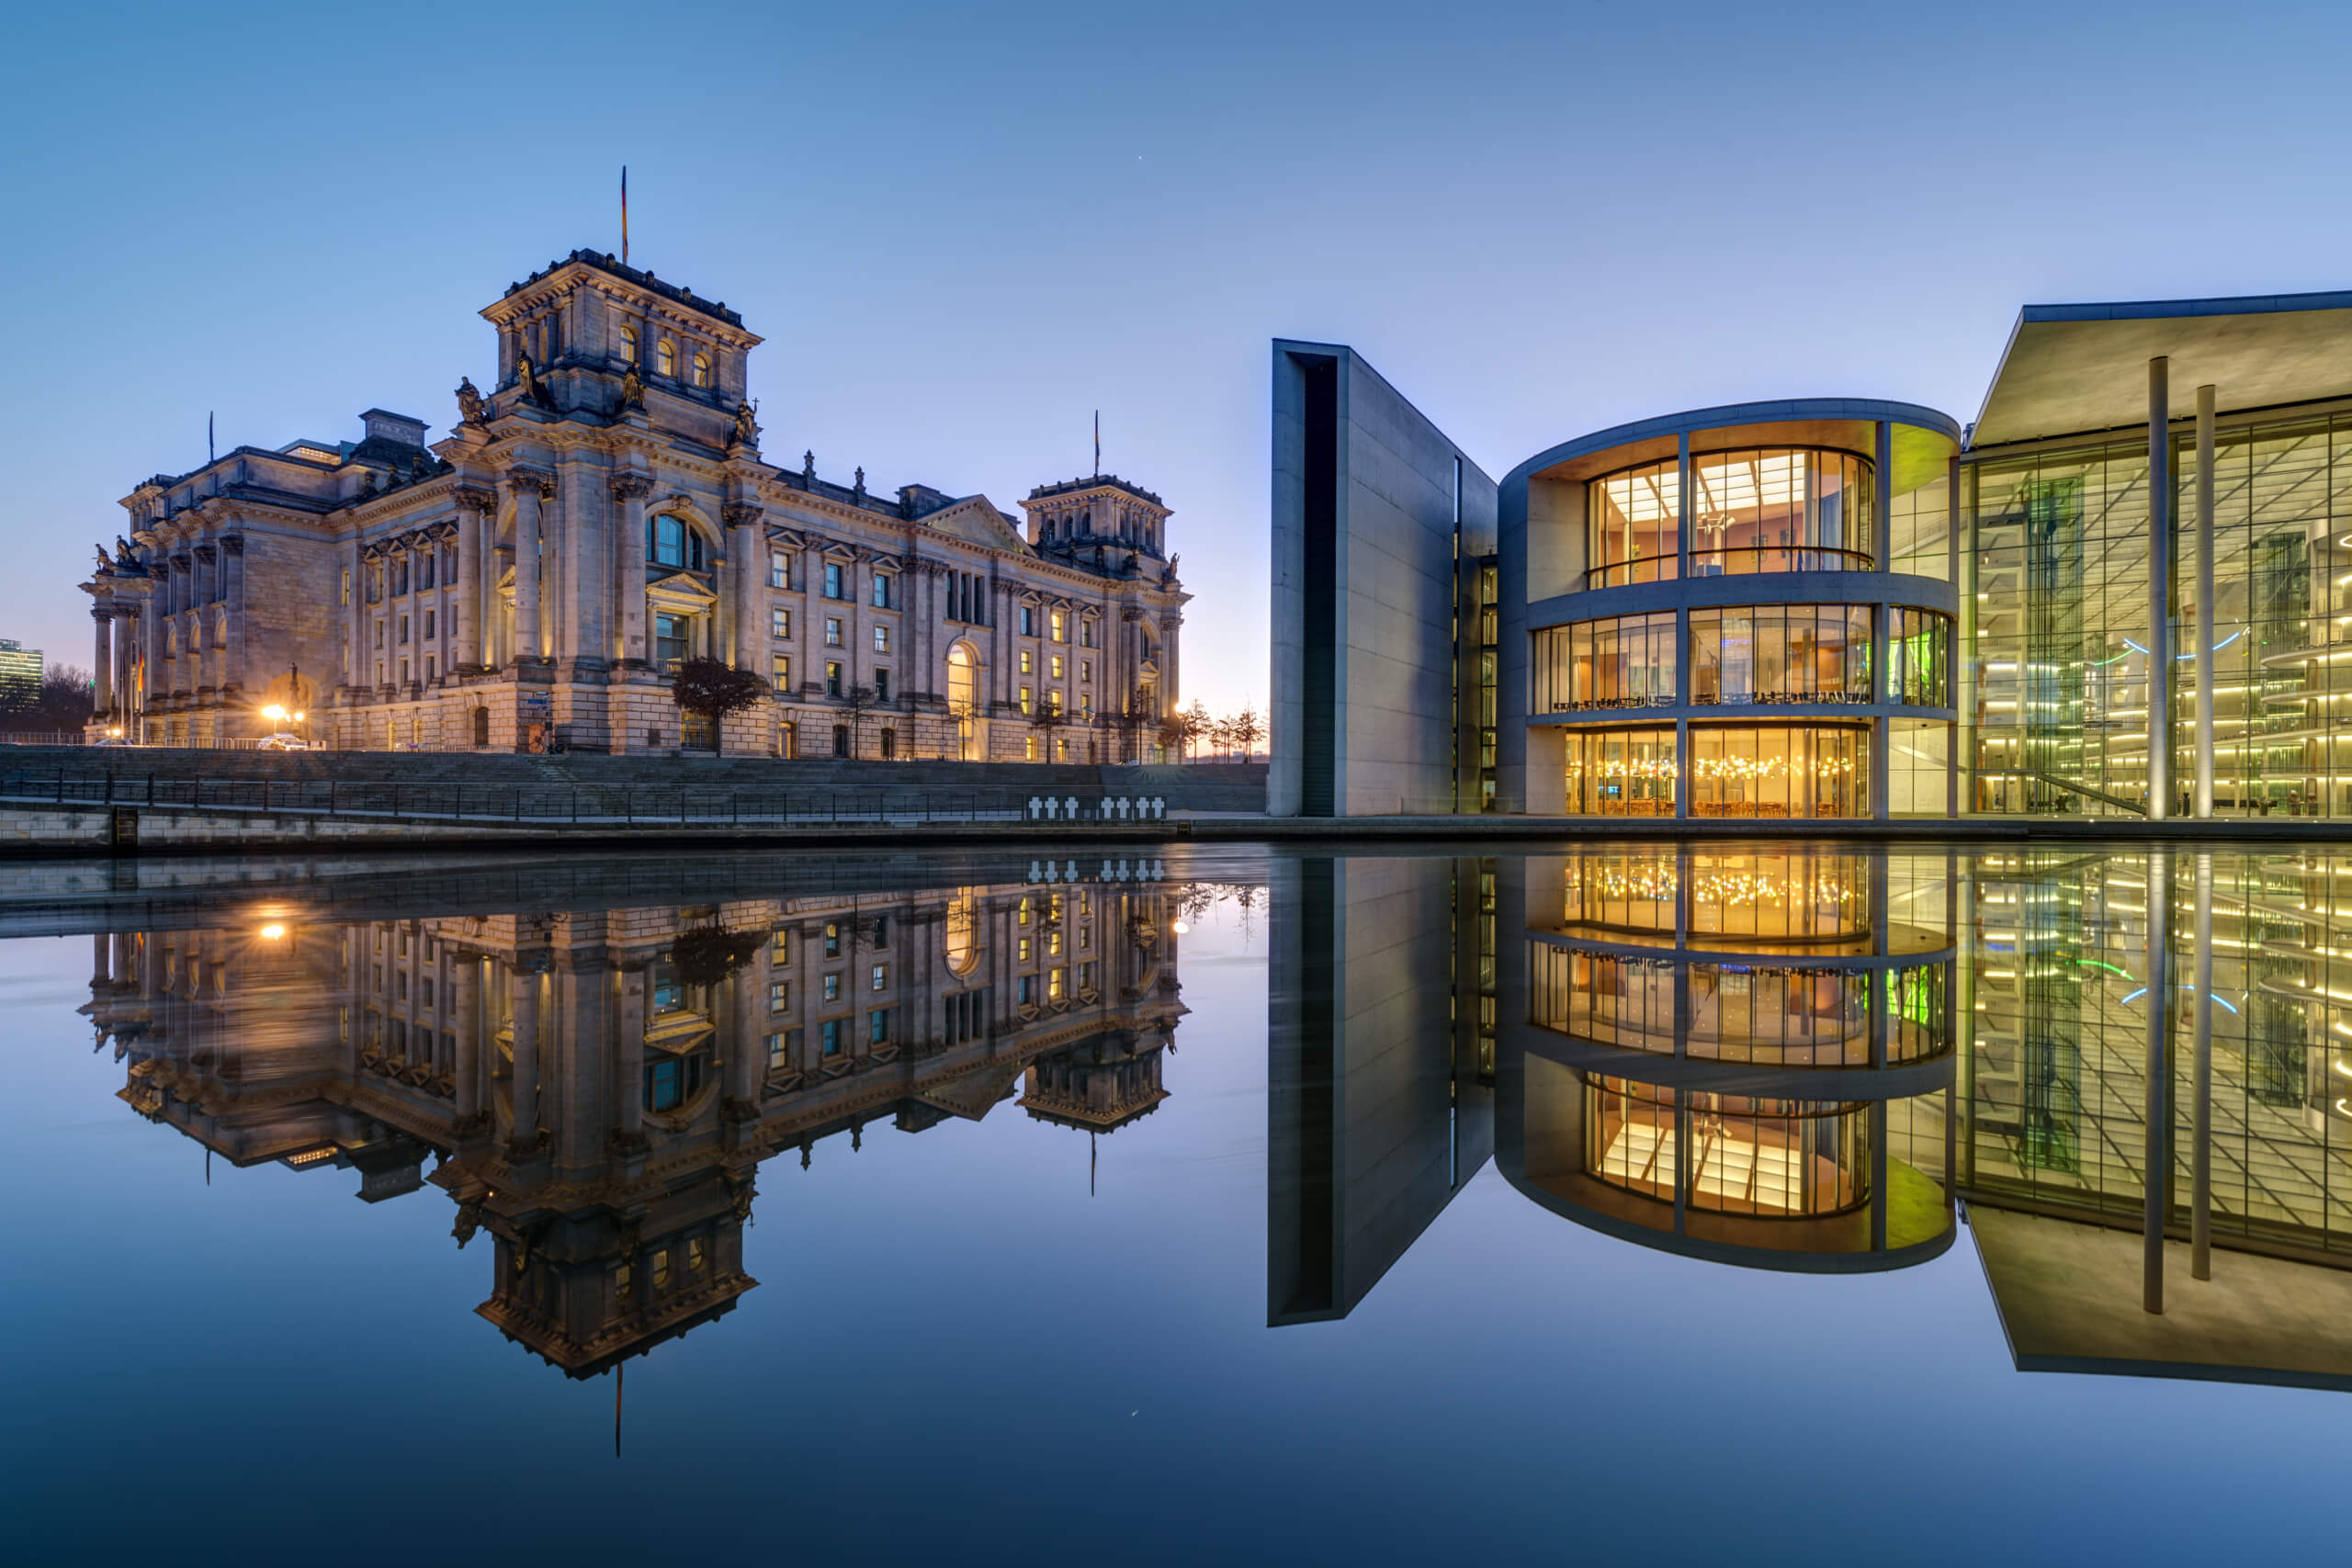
{"x": 1734, "y": 560}
{"x": 564, "y": 805}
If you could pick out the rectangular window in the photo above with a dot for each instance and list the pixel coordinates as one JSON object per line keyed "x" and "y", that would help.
{"x": 404, "y": 631}
{"x": 1028, "y": 620}
{"x": 881, "y": 685}
{"x": 890, "y": 744}
{"x": 779, "y": 996}
{"x": 1029, "y": 749}
{"x": 878, "y": 1027}
{"x": 1086, "y": 975}
{"x": 428, "y": 669}
{"x": 672, "y": 640}
{"x": 881, "y": 639}
{"x": 428, "y": 625}
{"x": 779, "y": 621}
{"x": 833, "y": 632}
{"x": 831, "y": 1034}
{"x": 832, "y": 680}
{"x": 779, "y": 569}
{"x": 778, "y": 1056}
{"x": 881, "y": 590}
{"x": 832, "y": 939}
{"x": 833, "y": 986}
{"x": 1086, "y": 633}
{"x": 881, "y": 977}
{"x": 1086, "y": 669}
{"x": 346, "y": 585}
{"x": 1025, "y": 988}
{"x": 1061, "y": 630}
{"x": 780, "y": 668}
{"x": 425, "y": 569}
{"x": 780, "y": 950}
{"x": 403, "y": 675}
{"x": 1020, "y": 954}
{"x": 1028, "y": 662}
{"x": 834, "y": 583}
{"x": 1025, "y": 700}
{"x": 1053, "y": 984}
{"x": 1056, "y": 670}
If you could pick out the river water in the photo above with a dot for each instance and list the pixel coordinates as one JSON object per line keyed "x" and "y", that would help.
{"x": 1226, "y": 1204}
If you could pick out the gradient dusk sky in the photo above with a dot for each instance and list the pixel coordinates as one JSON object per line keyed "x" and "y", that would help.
{"x": 963, "y": 229}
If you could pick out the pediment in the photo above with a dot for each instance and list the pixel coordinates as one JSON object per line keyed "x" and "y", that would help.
{"x": 975, "y": 521}
{"x": 683, "y": 585}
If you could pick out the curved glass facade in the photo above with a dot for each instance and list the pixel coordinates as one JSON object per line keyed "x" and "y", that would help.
{"x": 1781, "y": 1158}
{"x": 1623, "y": 662}
{"x": 1781, "y": 653}
{"x": 1774, "y": 1015}
{"x": 1759, "y": 509}
{"x": 1621, "y": 773}
{"x": 1780, "y": 771}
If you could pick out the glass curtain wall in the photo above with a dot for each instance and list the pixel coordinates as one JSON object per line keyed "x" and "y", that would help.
{"x": 2061, "y": 719}
{"x": 1772, "y": 1015}
{"x": 1748, "y": 1157}
{"x": 1624, "y": 662}
{"x": 1621, "y": 773}
{"x": 1814, "y": 771}
{"x": 1919, "y": 667}
{"x": 1777, "y": 653}
{"x": 1767, "y": 509}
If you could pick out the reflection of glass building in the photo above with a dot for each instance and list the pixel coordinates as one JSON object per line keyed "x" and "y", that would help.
{"x": 596, "y": 1083}
{"x": 1837, "y": 608}
{"x": 1743, "y": 1056}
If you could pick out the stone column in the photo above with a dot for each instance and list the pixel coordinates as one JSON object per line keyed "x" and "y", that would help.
{"x": 531, "y": 490}
{"x": 628, "y": 1116}
{"x": 126, "y": 638}
{"x": 746, "y": 549}
{"x": 526, "y": 1082}
{"x": 629, "y": 492}
{"x": 469, "y": 608}
{"x": 465, "y": 1003}
{"x": 102, "y": 659}
{"x": 232, "y": 592}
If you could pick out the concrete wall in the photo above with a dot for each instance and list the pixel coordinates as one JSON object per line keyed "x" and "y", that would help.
{"x": 1364, "y": 578}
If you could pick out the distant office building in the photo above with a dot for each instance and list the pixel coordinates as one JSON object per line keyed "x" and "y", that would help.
{"x": 374, "y": 584}
{"x": 20, "y": 671}
{"x": 1830, "y": 608}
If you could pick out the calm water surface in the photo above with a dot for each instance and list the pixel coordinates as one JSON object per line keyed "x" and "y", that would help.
{"x": 1725, "y": 1205}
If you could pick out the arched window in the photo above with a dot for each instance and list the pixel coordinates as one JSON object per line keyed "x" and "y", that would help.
{"x": 962, "y": 680}
{"x": 963, "y": 932}
{"x": 665, "y": 357}
{"x": 670, "y": 542}
{"x": 482, "y": 727}
{"x": 628, "y": 345}
{"x": 702, "y": 369}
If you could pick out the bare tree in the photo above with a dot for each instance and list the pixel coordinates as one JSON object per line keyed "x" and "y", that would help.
{"x": 1247, "y": 730}
{"x": 859, "y": 700}
{"x": 1198, "y": 726}
{"x": 1047, "y": 720}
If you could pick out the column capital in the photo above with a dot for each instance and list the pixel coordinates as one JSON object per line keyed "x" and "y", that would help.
{"x": 475, "y": 498}
{"x": 631, "y": 487}
{"x": 741, "y": 514}
{"x": 531, "y": 481}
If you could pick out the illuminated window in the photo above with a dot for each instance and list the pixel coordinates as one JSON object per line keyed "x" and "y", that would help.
{"x": 665, "y": 357}
{"x": 628, "y": 345}
{"x": 881, "y": 980}
{"x": 881, "y": 639}
{"x": 779, "y": 996}
{"x": 779, "y": 621}
{"x": 702, "y": 369}
{"x": 780, "y": 671}
{"x": 833, "y": 986}
{"x": 779, "y": 569}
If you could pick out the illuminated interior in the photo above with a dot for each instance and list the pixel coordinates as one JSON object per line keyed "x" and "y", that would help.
{"x": 1771, "y": 1157}
{"x": 1767, "y": 509}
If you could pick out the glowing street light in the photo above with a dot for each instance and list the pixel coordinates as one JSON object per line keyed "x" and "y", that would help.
{"x": 273, "y": 932}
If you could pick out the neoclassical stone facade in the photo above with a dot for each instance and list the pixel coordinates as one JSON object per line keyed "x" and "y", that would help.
{"x": 372, "y": 586}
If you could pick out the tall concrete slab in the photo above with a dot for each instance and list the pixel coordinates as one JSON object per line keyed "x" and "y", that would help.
{"x": 1374, "y": 510}
{"x": 1377, "y": 1109}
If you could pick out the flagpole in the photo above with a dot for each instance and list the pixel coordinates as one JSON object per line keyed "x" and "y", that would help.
{"x": 624, "y": 214}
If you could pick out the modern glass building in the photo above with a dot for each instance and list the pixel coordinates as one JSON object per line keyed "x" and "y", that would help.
{"x": 2125, "y": 590}
{"x": 1742, "y": 612}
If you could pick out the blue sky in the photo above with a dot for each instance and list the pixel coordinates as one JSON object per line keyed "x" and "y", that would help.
{"x": 962, "y": 229}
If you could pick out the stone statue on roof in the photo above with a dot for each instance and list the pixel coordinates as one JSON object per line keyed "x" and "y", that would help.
{"x": 632, "y": 389}
{"x": 106, "y": 566}
{"x": 468, "y": 402}
{"x": 747, "y": 429}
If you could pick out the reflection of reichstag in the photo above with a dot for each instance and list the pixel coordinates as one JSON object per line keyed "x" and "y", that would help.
{"x": 1824, "y": 1060}
{"x": 600, "y": 1084}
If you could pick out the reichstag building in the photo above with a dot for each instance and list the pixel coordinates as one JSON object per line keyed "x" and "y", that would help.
{"x": 2124, "y": 589}
{"x": 600, "y": 513}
